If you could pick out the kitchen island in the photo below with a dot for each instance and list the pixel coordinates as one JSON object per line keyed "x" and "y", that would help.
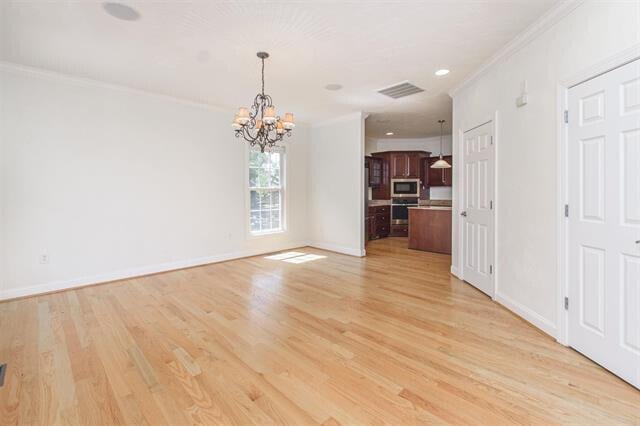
{"x": 430, "y": 228}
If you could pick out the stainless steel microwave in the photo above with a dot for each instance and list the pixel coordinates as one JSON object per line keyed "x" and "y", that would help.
{"x": 405, "y": 187}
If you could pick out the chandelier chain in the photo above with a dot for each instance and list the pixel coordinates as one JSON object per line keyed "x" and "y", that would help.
{"x": 262, "y": 76}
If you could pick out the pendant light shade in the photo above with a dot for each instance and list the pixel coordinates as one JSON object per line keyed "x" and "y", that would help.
{"x": 441, "y": 163}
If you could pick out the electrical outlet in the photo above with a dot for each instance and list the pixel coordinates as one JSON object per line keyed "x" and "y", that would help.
{"x": 44, "y": 259}
{"x": 522, "y": 100}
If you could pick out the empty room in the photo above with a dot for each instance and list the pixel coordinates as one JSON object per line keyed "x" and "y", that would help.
{"x": 319, "y": 212}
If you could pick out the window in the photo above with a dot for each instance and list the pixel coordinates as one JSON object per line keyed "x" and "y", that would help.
{"x": 265, "y": 191}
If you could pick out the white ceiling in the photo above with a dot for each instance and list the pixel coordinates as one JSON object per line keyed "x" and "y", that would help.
{"x": 205, "y": 51}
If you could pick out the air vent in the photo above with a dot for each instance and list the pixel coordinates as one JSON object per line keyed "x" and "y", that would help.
{"x": 400, "y": 90}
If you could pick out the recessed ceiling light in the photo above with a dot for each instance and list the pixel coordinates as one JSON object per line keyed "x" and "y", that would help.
{"x": 442, "y": 72}
{"x": 333, "y": 86}
{"x": 389, "y": 133}
{"x": 121, "y": 11}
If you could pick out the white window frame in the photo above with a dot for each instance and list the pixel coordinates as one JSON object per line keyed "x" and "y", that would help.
{"x": 283, "y": 196}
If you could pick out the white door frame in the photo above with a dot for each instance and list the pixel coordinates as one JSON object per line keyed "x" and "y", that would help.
{"x": 562, "y": 270}
{"x": 460, "y": 192}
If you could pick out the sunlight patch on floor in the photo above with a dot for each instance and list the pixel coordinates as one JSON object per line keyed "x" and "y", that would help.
{"x": 295, "y": 257}
{"x": 282, "y": 256}
{"x": 305, "y": 258}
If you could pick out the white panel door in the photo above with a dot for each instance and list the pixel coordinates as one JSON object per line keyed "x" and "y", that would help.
{"x": 477, "y": 210}
{"x": 604, "y": 220}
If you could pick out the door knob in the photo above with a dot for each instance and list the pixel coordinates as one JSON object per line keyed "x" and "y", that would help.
{"x": 638, "y": 242}
{"x": 463, "y": 213}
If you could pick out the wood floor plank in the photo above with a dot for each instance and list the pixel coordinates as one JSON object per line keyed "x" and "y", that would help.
{"x": 391, "y": 338}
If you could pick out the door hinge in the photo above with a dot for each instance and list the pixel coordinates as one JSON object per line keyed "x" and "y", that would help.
{"x": 491, "y": 269}
{"x": 491, "y": 205}
{"x": 566, "y": 303}
{"x": 566, "y": 116}
{"x": 566, "y": 210}
{"x": 3, "y": 370}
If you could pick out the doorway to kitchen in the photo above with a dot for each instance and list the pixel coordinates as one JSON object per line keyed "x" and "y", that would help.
{"x": 408, "y": 190}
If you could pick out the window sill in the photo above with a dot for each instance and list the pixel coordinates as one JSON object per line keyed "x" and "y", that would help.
{"x": 266, "y": 233}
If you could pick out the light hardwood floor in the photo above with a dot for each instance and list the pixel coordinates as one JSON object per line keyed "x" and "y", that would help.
{"x": 391, "y": 338}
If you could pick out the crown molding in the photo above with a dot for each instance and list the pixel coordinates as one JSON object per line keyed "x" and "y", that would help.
{"x": 89, "y": 82}
{"x": 533, "y": 31}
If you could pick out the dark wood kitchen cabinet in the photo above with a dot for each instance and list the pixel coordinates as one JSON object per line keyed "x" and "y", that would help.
{"x": 373, "y": 168}
{"x": 413, "y": 165}
{"x": 440, "y": 177}
{"x": 448, "y": 173}
{"x": 396, "y": 165}
{"x": 406, "y": 165}
{"x": 375, "y": 172}
{"x": 430, "y": 229}
{"x": 424, "y": 178}
{"x": 379, "y": 221}
{"x": 382, "y": 191}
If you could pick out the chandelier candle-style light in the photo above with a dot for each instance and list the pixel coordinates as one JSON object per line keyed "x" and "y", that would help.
{"x": 259, "y": 125}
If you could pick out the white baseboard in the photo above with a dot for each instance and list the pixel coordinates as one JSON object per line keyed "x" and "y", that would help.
{"x": 338, "y": 249}
{"x": 527, "y": 314}
{"x": 455, "y": 272}
{"x": 136, "y": 272}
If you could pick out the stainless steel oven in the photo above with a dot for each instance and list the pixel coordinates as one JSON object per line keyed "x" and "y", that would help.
{"x": 400, "y": 210}
{"x": 405, "y": 187}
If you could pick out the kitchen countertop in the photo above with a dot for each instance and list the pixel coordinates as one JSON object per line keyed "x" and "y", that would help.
{"x": 422, "y": 203}
{"x": 373, "y": 203}
{"x": 430, "y": 208}
{"x": 443, "y": 203}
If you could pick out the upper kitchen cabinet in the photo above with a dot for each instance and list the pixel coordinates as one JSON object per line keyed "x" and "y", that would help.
{"x": 375, "y": 172}
{"x": 406, "y": 165}
{"x": 374, "y": 169}
{"x": 440, "y": 177}
{"x": 394, "y": 165}
{"x": 413, "y": 165}
{"x": 398, "y": 165}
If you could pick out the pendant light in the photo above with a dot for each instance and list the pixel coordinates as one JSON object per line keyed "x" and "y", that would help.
{"x": 441, "y": 163}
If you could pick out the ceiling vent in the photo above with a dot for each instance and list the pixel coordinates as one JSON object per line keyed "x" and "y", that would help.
{"x": 400, "y": 90}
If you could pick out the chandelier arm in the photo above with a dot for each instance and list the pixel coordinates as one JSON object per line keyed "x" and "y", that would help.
{"x": 246, "y": 134}
{"x": 255, "y": 108}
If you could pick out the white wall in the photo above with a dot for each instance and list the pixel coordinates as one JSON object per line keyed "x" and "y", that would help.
{"x": 527, "y": 146}
{"x": 431, "y": 145}
{"x": 111, "y": 182}
{"x": 336, "y": 185}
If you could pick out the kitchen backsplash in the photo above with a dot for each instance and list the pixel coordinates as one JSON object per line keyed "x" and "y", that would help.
{"x": 440, "y": 193}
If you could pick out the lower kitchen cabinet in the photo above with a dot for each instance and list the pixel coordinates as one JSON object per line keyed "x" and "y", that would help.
{"x": 430, "y": 229}
{"x": 399, "y": 230}
{"x": 379, "y": 222}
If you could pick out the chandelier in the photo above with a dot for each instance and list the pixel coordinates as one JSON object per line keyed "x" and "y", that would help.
{"x": 259, "y": 125}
